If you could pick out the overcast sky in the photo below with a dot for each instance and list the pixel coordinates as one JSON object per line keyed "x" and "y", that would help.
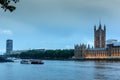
{"x": 58, "y": 24}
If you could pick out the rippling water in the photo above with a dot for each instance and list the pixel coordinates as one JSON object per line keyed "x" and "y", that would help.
{"x": 61, "y": 70}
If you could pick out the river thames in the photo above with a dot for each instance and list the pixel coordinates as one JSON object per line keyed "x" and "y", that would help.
{"x": 61, "y": 70}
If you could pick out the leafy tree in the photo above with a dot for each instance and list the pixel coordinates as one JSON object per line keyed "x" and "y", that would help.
{"x": 47, "y": 54}
{"x": 6, "y": 4}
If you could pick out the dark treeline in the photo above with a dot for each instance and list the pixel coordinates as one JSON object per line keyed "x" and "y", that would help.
{"x": 46, "y": 54}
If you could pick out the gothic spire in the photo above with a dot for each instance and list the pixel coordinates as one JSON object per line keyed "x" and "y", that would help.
{"x": 99, "y": 21}
{"x": 94, "y": 27}
{"x": 88, "y": 46}
{"x": 100, "y": 24}
{"x": 104, "y": 27}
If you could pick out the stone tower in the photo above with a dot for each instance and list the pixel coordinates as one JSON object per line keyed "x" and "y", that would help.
{"x": 79, "y": 51}
{"x": 99, "y": 36}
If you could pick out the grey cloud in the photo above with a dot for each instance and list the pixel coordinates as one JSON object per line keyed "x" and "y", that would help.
{"x": 58, "y": 8}
{"x": 67, "y": 12}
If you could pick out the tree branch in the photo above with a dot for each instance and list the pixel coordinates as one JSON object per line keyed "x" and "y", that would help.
{"x": 5, "y": 4}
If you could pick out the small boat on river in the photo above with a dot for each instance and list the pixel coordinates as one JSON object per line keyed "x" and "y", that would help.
{"x": 25, "y": 62}
{"x": 32, "y": 62}
{"x": 37, "y": 62}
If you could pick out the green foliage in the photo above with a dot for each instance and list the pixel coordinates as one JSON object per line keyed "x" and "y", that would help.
{"x": 13, "y": 55}
{"x": 47, "y": 54}
{"x": 6, "y": 4}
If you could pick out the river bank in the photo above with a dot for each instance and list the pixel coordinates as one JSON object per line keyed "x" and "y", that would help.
{"x": 83, "y": 59}
{"x": 4, "y": 59}
{"x": 98, "y": 59}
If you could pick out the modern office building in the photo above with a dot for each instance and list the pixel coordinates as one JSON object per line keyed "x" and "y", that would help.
{"x": 9, "y": 46}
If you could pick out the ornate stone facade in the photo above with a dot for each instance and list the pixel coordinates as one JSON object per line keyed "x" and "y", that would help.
{"x": 100, "y": 50}
{"x": 99, "y": 37}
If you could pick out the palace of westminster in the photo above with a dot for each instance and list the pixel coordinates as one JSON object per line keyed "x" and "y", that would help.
{"x": 101, "y": 48}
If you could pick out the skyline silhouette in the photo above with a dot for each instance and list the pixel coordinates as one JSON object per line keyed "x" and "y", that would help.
{"x": 56, "y": 24}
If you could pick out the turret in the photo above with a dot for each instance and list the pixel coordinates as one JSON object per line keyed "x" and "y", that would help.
{"x": 88, "y": 46}
{"x": 100, "y": 26}
{"x": 104, "y": 28}
{"x": 94, "y": 28}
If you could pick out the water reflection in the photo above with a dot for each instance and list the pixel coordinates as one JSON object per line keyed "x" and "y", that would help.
{"x": 61, "y": 70}
{"x": 99, "y": 72}
{"x": 105, "y": 70}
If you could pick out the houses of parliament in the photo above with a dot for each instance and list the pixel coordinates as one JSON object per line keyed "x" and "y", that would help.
{"x": 101, "y": 49}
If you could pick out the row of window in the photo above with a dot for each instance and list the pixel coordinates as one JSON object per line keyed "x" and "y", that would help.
{"x": 97, "y": 55}
{"x": 115, "y": 51}
{"x": 98, "y": 52}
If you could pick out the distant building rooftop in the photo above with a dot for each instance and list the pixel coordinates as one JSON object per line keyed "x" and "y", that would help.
{"x": 116, "y": 44}
{"x": 113, "y": 41}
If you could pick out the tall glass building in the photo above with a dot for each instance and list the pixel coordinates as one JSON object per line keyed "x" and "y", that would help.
{"x": 9, "y": 46}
